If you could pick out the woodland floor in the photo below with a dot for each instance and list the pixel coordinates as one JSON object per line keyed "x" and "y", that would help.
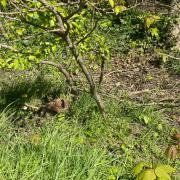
{"x": 145, "y": 81}
{"x": 142, "y": 96}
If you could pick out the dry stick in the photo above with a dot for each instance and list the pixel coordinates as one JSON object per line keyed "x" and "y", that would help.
{"x": 112, "y": 72}
{"x": 8, "y": 47}
{"x": 161, "y": 104}
{"x": 31, "y": 106}
{"x": 139, "y": 92}
{"x": 168, "y": 105}
{"x": 20, "y": 12}
{"x": 73, "y": 49}
{"x": 10, "y": 18}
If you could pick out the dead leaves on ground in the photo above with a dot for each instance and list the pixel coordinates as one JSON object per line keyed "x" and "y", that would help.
{"x": 173, "y": 150}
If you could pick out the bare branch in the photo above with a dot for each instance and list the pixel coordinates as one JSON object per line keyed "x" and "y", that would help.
{"x": 8, "y": 47}
{"x": 60, "y": 67}
{"x": 35, "y": 35}
{"x": 21, "y": 12}
{"x": 68, "y": 77}
{"x": 68, "y": 3}
{"x": 10, "y": 18}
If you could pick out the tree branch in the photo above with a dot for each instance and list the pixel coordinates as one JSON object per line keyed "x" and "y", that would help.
{"x": 88, "y": 34}
{"x": 61, "y": 69}
{"x": 81, "y": 4}
{"x": 8, "y": 47}
{"x": 57, "y": 15}
{"x": 68, "y": 77}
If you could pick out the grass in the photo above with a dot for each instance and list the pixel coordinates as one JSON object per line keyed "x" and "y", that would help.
{"x": 79, "y": 144}
{"x": 72, "y": 149}
{"x": 56, "y": 151}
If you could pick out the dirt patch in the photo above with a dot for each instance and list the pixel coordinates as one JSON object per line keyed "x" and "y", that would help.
{"x": 146, "y": 81}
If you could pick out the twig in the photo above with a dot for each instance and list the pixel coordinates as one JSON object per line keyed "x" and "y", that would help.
{"x": 61, "y": 69}
{"x": 169, "y": 56}
{"x": 161, "y": 104}
{"x": 34, "y": 35}
{"x": 112, "y": 72}
{"x": 57, "y": 15}
{"x": 31, "y": 106}
{"x": 139, "y": 92}
{"x": 88, "y": 34}
{"x": 8, "y": 47}
{"x": 81, "y": 4}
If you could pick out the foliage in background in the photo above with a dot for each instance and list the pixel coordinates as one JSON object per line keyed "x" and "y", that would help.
{"x": 137, "y": 29}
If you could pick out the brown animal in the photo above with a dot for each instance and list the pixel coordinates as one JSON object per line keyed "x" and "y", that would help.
{"x": 57, "y": 105}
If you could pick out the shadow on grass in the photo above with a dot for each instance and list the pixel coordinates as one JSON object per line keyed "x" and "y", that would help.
{"x": 24, "y": 89}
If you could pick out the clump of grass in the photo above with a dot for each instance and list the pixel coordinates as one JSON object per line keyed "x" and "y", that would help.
{"x": 57, "y": 151}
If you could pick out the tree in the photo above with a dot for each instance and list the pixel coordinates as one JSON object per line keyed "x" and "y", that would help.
{"x": 35, "y": 31}
{"x": 61, "y": 34}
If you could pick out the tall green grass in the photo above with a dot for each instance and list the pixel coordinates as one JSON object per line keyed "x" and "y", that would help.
{"x": 56, "y": 151}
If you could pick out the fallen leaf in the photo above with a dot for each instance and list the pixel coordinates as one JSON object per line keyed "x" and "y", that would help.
{"x": 177, "y": 136}
{"x": 171, "y": 152}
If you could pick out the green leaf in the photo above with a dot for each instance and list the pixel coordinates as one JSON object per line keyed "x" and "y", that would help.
{"x": 30, "y": 15}
{"x": 164, "y": 58}
{"x": 111, "y": 177}
{"x": 160, "y": 127}
{"x": 156, "y": 18}
{"x": 167, "y": 168}
{"x": 4, "y": 3}
{"x": 147, "y": 175}
{"x": 54, "y": 48}
{"x": 151, "y": 20}
{"x": 106, "y": 23}
{"x": 52, "y": 23}
{"x": 145, "y": 118}
{"x": 138, "y": 168}
{"x": 31, "y": 57}
{"x": 113, "y": 170}
{"x": 117, "y": 9}
{"x": 16, "y": 64}
{"x": 154, "y": 32}
{"x": 35, "y": 15}
{"x": 148, "y": 22}
{"x": 20, "y": 31}
{"x": 38, "y": 4}
{"x": 162, "y": 172}
{"x": 111, "y": 2}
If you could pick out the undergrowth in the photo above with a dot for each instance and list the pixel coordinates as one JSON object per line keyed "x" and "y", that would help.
{"x": 82, "y": 144}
